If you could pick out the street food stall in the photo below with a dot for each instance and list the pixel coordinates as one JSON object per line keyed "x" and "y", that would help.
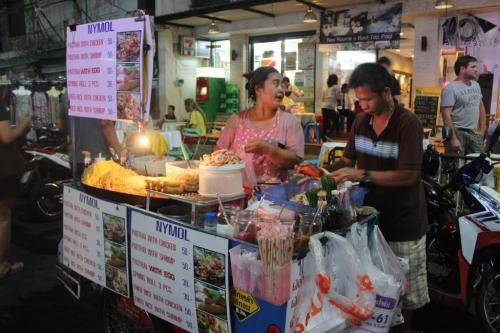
{"x": 194, "y": 246}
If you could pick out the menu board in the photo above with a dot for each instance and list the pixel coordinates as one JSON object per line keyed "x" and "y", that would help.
{"x": 426, "y": 105}
{"x": 95, "y": 240}
{"x": 180, "y": 274}
{"x": 104, "y": 67}
{"x": 306, "y": 56}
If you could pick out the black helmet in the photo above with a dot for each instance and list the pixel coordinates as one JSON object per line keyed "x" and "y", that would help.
{"x": 430, "y": 162}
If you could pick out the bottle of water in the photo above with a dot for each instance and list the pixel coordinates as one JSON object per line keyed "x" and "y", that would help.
{"x": 210, "y": 221}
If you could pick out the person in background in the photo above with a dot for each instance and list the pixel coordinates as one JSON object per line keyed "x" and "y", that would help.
{"x": 463, "y": 109}
{"x": 11, "y": 169}
{"x": 268, "y": 140}
{"x": 197, "y": 119}
{"x": 329, "y": 105}
{"x": 385, "y": 144}
{"x": 169, "y": 116}
{"x": 289, "y": 88}
{"x": 395, "y": 87}
{"x": 345, "y": 109}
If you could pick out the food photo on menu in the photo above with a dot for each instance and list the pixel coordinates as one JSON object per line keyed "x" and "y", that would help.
{"x": 128, "y": 77}
{"x": 210, "y": 299}
{"x": 209, "y": 266}
{"x": 210, "y": 324}
{"x": 116, "y": 280}
{"x": 129, "y": 105}
{"x": 128, "y": 46}
{"x": 114, "y": 228}
{"x": 115, "y": 254}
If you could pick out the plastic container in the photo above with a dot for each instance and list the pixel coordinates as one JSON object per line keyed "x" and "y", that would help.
{"x": 150, "y": 164}
{"x": 210, "y": 221}
{"x": 250, "y": 275}
{"x": 224, "y": 180}
{"x": 496, "y": 174}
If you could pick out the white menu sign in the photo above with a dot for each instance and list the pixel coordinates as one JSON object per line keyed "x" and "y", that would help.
{"x": 104, "y": 67}
{"x": 180, "y": 274}
{"x": 95, "y": 240}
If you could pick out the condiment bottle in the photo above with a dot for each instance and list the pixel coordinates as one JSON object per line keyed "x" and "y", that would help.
{"x": 210, "y": 221}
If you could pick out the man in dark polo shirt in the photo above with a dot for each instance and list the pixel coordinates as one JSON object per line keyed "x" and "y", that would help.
{"x": 385, "y": 144}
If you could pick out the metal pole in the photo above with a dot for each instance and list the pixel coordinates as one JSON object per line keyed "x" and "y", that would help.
{"x": 73, "y": 149}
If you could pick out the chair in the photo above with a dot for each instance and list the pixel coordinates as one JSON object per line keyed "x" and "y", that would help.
{"x": 189, "y": 135}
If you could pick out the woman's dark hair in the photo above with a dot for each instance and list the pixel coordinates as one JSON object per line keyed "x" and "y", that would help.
{"x": 384, "y": 61}
{"x": 285, "y": 79}
{"x": 463, "y": 61}
{"x": 375, "y": 76}
{"x": 332, "y": 80}
{"x": 257, "y": 79}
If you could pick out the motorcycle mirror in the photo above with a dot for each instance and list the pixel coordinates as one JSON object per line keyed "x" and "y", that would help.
{"x": 447, "y": 133}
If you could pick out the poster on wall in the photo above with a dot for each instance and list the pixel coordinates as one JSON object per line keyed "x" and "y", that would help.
{"x": 105, "y": 68}
{"x": 291, "y": 61}
{"x": 95, "y": 240}
{"x": 180, "y": 274}
{"x": 427, "y": 105}
{"x": 307, "y": 54}
{"x": 363, "y": 28}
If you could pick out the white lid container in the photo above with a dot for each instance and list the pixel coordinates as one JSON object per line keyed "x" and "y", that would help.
{"x": 226, "y": 180}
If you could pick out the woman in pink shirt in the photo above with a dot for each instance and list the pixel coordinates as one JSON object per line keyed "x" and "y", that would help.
{"x": 269, "y": 140}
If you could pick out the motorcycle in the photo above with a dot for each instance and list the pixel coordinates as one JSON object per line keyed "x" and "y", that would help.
{"x": 47, "y": 165}
{"x": 463, "y": 249}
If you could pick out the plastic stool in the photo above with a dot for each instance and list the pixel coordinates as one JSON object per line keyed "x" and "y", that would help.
{"x": 306, "y": 132}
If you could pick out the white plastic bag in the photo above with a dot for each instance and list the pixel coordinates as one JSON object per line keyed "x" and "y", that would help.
{"x": 341, "y": 286}
{"x": 387, "y": 288}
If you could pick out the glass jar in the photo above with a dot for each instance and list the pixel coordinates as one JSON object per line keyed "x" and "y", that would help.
{"x": 308, "y": 226}
{"x": 245, "y": 227}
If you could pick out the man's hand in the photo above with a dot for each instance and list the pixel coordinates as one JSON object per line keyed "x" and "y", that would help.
{"x": 345, "y": 174}
{"x": 258, "y": 146}
{"x": 455, "y": 145}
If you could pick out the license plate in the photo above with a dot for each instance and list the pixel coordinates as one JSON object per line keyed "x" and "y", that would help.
{"x": 68, "y": 281}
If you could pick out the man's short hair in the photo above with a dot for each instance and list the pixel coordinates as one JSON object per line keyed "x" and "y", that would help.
{"x": 172, "y": 107}
{"x": 463, "y": 61}
{"x": 384, "y": 61}
{"x": 372, "y": 75}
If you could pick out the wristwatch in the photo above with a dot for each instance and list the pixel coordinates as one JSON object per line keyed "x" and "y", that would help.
{"x": 366, "y": 179}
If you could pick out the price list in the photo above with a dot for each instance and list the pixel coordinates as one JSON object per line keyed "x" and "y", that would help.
{"x": 88, "y": 248}
{"x": 170, "y": 277}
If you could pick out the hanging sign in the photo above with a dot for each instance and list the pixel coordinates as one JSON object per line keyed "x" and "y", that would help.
{"x": 105, "y": 69}
{"x": 95, "y": 240}
{"x": 180, "y": 274}
{"x": 373, "y": 27}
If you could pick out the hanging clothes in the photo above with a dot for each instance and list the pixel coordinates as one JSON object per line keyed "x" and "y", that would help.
{"x": 24, "y": 106}
{"x": 54, "y": 105}
{"x": 41, "y": 115}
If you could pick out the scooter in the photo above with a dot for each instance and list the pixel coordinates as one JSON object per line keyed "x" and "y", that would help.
{"x": 46, "y": 167}
{"x": 463, "y": 250}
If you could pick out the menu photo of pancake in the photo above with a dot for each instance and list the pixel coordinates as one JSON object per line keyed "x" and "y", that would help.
{"x": 128, "y": 77}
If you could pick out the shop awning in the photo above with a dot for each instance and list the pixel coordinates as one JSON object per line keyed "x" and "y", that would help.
{"x": 16, "y": 61}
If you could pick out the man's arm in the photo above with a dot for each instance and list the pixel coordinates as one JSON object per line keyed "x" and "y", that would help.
{"x": 343, "y": 162}
{"x": 482, "y": 119}
{"x": 447, "y": 122}
{"x": 108, "y": 130}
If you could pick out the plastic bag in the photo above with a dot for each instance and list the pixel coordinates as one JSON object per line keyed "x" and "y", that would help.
{"x": 341, "y": 287}
{"x": 387, "y": 288}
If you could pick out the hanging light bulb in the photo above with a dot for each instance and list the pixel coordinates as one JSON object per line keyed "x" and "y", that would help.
{"x": 213, "y": 29}
{"x": 443, "y": 4}
{"x": 310, "y": 17}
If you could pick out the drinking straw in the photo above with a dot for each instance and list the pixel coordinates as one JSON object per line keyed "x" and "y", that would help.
{"x": 222, "y": 208}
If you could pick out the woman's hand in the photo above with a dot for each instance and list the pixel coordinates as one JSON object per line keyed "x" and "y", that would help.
{"x": 258, "y": 146}
{"x": 345, "y": 174}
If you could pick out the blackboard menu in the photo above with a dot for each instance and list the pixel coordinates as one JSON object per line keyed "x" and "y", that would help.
{"x": 426, "y": 108}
